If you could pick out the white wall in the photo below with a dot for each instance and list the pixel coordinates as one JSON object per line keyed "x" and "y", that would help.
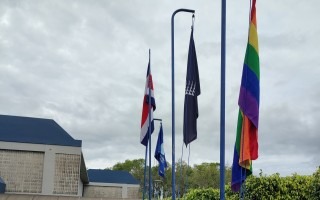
{"x": 22, "y": 171}
{"x": 111, "y": 190}
{"x": 49, "y": 165}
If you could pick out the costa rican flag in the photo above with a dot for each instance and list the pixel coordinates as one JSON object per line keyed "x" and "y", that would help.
{"x": 144, "y": 135}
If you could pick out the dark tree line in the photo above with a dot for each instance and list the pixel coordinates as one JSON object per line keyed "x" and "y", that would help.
{"x": 205, "y": 175}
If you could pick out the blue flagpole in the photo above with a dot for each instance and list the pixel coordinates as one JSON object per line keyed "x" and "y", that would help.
{"x": 222, "y": 99}
{"x": 145, "y": 173}
{"x": 149, "y": 129}
{"x": 173, "y": 109}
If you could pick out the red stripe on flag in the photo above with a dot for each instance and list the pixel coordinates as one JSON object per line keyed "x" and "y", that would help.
{"x": 145, "y": 108}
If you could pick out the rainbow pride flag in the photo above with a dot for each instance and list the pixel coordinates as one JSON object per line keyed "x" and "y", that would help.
{"x": 246, "y": 145}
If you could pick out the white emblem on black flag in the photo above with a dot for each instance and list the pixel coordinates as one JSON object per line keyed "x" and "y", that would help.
{"x": 192, "y": 92}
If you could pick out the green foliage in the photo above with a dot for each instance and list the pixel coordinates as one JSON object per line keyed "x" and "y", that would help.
{"x": 315, "y": 185}
{"x": 274, "y": 187}
{"x": 210, "y": 194}
{"x": 280, "y": 188}
{"x": 205, "y": 175}
{"x": 202, "y": 182}
{"x": 207, "y": 194}
{"x": 203, "y": 194}
{"x": 134, "y": 167}
{"x": 230, "y": 195}
{"x": 183, "y": 178}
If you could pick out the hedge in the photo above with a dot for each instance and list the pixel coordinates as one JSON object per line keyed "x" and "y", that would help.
{"x": 274, "y": 187}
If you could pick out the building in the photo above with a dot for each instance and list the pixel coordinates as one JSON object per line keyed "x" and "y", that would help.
{"x": 38, "y": 157}
{"x": 111, "y": 184}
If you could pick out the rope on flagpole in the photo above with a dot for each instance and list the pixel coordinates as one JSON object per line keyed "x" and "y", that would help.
{"x": 186, "y": 187}
{"x": 184, "y": 178}
{"x": 181, "y": 177}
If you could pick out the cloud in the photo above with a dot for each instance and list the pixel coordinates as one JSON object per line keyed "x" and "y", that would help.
{"x": 83, "y": 64}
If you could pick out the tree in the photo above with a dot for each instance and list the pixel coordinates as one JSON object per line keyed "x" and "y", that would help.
{"x": 183, "y": 178}
{"x": 315, "y": 185}
{"x": 205, "y": 175}
{"x": 134, "y": 167}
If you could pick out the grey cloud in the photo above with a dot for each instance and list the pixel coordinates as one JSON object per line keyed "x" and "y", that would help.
{"x": 84, "y": 65}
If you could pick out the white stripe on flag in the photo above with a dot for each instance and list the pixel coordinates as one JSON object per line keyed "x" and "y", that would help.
{"x": 144, "y": 128}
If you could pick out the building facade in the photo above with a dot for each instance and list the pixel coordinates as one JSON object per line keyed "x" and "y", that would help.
{"x": 111, "y": 184}
{"x": 38, "y": 157}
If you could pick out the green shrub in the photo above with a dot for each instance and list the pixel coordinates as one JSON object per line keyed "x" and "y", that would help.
{"x": 315, "y": 185}
{"x": 262, "y": 187}
{"x": 295, "y": 187}
{"x": 203, "y": 194}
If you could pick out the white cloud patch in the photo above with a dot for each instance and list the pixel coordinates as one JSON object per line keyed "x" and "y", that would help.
{"x": 84, "y": 64}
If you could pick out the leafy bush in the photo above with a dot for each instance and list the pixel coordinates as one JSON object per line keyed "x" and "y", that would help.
{"x": 280, "y": 188}
{"x": 315, "y": 185}
{"x": 203, "y": 194}
{"x": 274, "y": 187}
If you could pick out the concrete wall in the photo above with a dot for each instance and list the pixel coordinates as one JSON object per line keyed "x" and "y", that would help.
{"x": 133, "y": 192}
{"x": 106, "y": 192}
{"x": 66, "y": 174}
{"x": 22, "y": 171}
{"x": 54, "y": 170}
{"x": 110, "y": 190}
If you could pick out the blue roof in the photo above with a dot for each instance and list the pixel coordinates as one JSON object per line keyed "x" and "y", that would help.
{"x": 35, "y": 131}
{"x": 111, "y": 176}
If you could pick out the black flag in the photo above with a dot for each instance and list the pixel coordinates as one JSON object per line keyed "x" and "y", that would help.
{"x": 192, "y": 91}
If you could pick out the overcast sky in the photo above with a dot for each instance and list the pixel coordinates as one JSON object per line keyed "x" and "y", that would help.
{"x": 83, "y": 64}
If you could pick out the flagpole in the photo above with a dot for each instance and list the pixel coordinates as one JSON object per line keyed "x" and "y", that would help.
{"x": 222, "y": 99}
{"x": 173, "y": 109}
{"x": 149, "y": 129}
{"x": 145, "y": 173}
